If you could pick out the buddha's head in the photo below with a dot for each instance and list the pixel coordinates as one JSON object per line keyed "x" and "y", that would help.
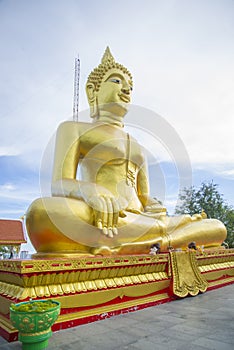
{"x": 109, "y": 87}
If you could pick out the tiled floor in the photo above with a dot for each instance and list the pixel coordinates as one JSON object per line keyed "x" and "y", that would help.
{"x": 194, "y": 323}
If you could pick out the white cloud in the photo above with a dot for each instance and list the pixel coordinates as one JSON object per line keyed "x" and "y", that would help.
{"x": 228, "y": 173}
{"x": 7, "y": 187}
{"x": 8, "y": 151}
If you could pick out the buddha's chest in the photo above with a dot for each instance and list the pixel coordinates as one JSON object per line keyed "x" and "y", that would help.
{"x": 110, "y": 146}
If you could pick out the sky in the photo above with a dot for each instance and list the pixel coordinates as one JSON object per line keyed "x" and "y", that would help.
{"x": 181, "y": 56}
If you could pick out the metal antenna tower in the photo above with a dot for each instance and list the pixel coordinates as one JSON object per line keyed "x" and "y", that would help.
{"x": 76, "y": 89}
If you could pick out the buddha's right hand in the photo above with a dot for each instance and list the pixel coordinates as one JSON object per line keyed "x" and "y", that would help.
{"x": 106, "y": 211}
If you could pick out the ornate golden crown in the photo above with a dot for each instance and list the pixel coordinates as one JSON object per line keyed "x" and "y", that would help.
{"x": 107, "y": 63}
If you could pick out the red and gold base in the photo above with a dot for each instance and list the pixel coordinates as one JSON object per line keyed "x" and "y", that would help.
{"x": 91, "y": 289}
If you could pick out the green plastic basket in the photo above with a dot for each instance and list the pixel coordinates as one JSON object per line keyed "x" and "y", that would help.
{"x": 34, "y": 326}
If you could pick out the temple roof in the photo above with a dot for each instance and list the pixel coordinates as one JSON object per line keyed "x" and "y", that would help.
{"x": 11, "y": 232}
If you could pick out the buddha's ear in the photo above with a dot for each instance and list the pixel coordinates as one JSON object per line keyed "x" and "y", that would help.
{"x": 90, "y": 91}
{"x": 92, "y": 98}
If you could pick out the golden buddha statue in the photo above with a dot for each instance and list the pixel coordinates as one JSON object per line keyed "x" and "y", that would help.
{"x": 107, "y": 209}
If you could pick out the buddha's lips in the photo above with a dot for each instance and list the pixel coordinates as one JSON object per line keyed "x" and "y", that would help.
{"x": 124, "y": 98}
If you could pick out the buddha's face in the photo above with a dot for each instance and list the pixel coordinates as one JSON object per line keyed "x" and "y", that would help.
{"x": 114, "y": 94}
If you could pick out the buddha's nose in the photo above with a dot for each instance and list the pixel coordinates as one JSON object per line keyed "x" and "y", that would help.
{"x": 126, "y": 88}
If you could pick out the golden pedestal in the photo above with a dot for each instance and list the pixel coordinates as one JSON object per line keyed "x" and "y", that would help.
{"x": 95, "y": 288}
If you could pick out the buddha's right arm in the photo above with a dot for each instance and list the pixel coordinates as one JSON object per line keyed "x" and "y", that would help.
{"x": 66, "y": 160}
{"x": 65, "y": 184}
{"x": 66, "y": 155}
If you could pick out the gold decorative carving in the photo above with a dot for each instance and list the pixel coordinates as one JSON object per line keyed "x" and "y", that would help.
{"x": 75, "y": 286}
{"x": 45, "y": 278}
{"x": 86, "y": 287}
{"x": 66, "y": 264}
{"x": 218, "y": 266}
{"x": 94, "y": 281}
{"x": 186, "y": 275}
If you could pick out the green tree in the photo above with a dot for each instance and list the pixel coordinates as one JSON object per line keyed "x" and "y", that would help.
{"x": 208, "y": 198}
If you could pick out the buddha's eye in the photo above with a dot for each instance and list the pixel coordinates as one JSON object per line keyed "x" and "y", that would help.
{"x": 115, "y": 80}
{"x": 131, "y": 88}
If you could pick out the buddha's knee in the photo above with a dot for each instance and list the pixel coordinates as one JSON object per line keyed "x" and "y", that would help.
{"x": 217, "y": 230}
{"x": 212, "y": 233}
{"x": 50, "y": 220}
{"x": 36, "y": 216}
{"x": 207, "y": 232}
{"x": 53, "y": 210}
{"x": 41, "y": 222}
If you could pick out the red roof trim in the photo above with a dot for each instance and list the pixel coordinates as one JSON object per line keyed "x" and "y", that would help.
{"x": 12, "y": 231}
